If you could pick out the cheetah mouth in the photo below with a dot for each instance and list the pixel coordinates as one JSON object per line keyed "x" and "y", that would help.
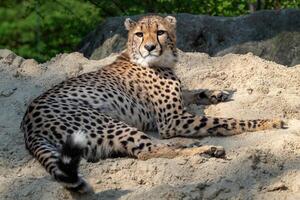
{"x": 154, "y": 54}
{"x": 151, "y": 55}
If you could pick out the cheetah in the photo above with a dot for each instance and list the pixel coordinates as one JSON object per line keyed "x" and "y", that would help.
{"x": 105, "y": 113}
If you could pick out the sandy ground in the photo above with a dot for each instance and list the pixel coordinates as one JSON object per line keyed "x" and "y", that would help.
{"x": 259, "y": 165}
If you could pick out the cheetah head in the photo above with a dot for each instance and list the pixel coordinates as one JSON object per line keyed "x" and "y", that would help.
{"x": 152, "y": 41}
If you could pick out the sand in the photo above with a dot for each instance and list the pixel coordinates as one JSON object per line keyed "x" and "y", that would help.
{"x": 259, "y": 165}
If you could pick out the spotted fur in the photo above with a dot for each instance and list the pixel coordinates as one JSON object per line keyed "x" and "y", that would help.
{"x": 103, "y": 114}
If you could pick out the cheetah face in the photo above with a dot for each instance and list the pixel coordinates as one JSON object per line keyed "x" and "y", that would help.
{"x": 152, "y": 41}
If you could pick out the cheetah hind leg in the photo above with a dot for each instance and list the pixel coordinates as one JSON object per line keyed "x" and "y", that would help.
{"x": 169, "y": 151}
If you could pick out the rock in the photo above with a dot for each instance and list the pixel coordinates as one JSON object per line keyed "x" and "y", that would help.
{"x": 272, "y": 35}
{"x": 283, "y": 48}
{"x": 7, "y": 92}
{"x": 115, "y": 42}
{"x": 17, "y": 61}
{"x": 10, "y": 58}
{"x": 250, "y": 91}
{"x": 72, "y": 63}
{"x": 7, "y": 56}
{"x": 5, "y": 53}
{"x": 29, "y": 68}
{"x": 276, "y": 186}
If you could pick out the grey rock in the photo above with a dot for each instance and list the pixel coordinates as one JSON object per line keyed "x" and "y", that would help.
{"x": 18, "y": 61}
{"x": 7, "y": 92}
{"x": 4, "y": 53}
{"x": 272, "y": 35}
{"x": 7, "y": 55}
{"x": 276, "y": 186}
{"x": 10, "y": 58}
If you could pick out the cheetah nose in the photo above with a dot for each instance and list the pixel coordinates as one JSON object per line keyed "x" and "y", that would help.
{"x": 150, "y": 47}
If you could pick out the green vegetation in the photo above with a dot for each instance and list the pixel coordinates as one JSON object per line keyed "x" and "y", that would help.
{"x": 40, "y": 29}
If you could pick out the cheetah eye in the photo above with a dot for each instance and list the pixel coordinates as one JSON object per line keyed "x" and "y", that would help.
{"x": 139, "y": 34}
{"x": 160, "y": 32}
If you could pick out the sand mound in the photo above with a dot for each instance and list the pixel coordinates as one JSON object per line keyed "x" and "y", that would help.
{"x": 259, "y": 165}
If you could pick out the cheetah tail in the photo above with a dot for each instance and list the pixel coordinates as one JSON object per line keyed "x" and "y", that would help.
{"x": 68, "y": 163}
{"x": 256, "y": 125}
{"x": 230, "y": 126}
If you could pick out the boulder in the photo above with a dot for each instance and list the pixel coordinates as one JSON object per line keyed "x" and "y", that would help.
{"x": 272, "y": 35}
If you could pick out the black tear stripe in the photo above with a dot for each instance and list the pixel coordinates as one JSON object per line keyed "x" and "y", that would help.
{"x": 160, "y": 52}
{"x": 140, "y": 47}
{"x": 141, "y": 42}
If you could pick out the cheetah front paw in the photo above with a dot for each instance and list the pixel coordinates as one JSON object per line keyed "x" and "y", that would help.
{"x": 216, "y": 151}
{"x": 207, "y": 97}
{"x": 218, "y": 96}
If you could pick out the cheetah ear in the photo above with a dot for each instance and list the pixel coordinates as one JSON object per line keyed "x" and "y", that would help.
{"x": 171, "y": 20}
{"x": 129, "y": 24}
